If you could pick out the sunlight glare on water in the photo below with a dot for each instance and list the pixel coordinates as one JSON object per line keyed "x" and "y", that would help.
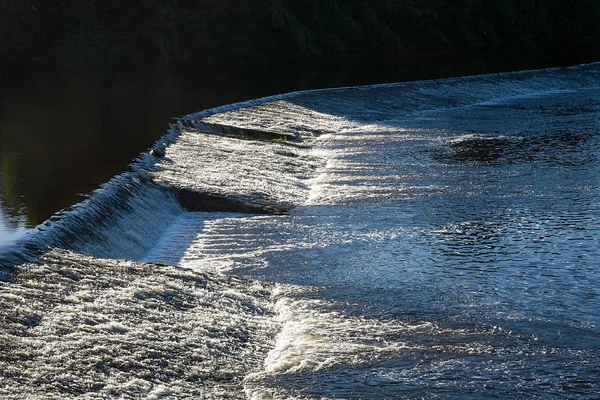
{"x": 433, "y": 240}
{"x": 452, "y": 253}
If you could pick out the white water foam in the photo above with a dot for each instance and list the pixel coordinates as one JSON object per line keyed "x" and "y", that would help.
{"x": 313, "y": 339}
{"x": 251, "y": 172}
{"x": 78, "y": 327}
{"x": 305, "y": 115}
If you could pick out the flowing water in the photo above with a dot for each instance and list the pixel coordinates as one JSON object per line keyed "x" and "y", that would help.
{"x": 435, "y": 239}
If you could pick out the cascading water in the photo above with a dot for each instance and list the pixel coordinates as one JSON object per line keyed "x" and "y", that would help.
{"x": 434, "y": 239}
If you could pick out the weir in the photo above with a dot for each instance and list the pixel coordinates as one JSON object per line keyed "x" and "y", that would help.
{"x": 134, "y": 289}
{"x": 256, "y": 157}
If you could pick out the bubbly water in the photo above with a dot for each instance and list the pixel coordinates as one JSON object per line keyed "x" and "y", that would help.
{"x": 435, "y": 239}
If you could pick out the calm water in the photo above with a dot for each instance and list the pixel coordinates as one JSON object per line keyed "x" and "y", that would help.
{"x": 442, "y": 242}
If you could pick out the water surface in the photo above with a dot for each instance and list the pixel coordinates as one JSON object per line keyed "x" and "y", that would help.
{"x": 452, "y": 253}
{"x": 441, "y": 241}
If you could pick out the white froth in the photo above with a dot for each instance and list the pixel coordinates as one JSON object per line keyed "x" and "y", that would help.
{"x": 312, "y": 340}
{"x": 77, "y": 327}
{"x": 252, "y": 172}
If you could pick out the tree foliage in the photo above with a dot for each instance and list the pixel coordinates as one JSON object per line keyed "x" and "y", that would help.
{"x": 99, "y": 38}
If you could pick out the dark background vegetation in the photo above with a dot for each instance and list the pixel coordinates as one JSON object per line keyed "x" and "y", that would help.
{"x": 102, "y": 40}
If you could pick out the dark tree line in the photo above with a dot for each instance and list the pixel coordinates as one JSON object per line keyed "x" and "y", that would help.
{"x": 96, "y": 38}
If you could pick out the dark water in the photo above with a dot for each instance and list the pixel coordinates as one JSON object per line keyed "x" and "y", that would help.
{"x": 60, "y": 141}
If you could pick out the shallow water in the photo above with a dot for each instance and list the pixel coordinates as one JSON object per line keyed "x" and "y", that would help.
{"x": 442, "y": 242}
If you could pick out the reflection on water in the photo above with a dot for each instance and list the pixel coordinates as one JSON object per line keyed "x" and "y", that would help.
{"x": 58, "y": 142}
{"x": 12, "y": 226}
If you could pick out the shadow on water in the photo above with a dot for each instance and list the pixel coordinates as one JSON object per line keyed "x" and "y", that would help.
{"x": 552, "y": 148}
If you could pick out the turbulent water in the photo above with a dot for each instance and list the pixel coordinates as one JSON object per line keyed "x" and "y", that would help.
{"x": 435, "y": 239}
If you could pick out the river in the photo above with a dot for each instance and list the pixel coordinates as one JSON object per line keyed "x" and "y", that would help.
{"x": 433, "y": 239}
{"x": 61, "y": 137}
